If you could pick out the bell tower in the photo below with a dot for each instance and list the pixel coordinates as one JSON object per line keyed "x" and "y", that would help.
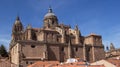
{"x": 17, "y": 29}
{"x": 50, "y": 19}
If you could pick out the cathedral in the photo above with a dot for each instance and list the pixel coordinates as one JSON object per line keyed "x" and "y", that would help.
{"x": 52, "y": 42}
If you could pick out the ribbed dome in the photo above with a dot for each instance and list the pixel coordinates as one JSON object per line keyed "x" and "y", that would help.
{"x": 49, "y": 14}
{"x": 50, "y": 19}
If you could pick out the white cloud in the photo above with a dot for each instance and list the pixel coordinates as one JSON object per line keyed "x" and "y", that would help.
{"x": 4, "y": 40}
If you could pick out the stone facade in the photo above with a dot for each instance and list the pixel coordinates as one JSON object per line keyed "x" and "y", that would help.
{"x": 54, "y": 41}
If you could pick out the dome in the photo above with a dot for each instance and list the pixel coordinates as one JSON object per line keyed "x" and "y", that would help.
{"x": 50, "y": 13}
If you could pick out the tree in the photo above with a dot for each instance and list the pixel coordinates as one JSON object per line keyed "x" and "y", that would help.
{"x": 3, "y": 51}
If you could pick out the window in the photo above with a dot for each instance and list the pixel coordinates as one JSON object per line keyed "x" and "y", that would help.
{"x": 76, "y": 49}
{"x": 52, "y": 22}
{"x": 31, "y": 62}
{"x": 26, "y": 62}
{"x": 57, "y": 39}
{"x": 62, "y": 49}
{"x": 32, "y": 46}
{"x": 71, "y": 34}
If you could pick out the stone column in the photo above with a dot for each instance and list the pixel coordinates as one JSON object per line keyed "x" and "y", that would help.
{"x": 69, "y": 48}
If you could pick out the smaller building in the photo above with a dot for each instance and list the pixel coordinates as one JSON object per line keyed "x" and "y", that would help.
{"x": 112, "y": 52}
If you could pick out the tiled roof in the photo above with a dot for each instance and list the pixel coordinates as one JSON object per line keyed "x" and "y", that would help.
{"x": 80, "y": 66}
{"x": 57, "y": 64}
{"x": 108, "y": 62}
{"x": 44, "y": 63}
{"x": 116, "y": 62}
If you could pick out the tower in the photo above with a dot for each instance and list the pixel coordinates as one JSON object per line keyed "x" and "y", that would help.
{"x": 94, "y": 48}
{"x": 50, "y": 19}
{"x": 112, "y": 47}
{"x": 29, "y": 32}
{"x": 17, "y": 29}
{"x": 17, "y": 35}
{"x": 78, "y": 34}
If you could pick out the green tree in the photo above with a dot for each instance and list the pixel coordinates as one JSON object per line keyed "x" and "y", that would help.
{"x": 3, "y": 51}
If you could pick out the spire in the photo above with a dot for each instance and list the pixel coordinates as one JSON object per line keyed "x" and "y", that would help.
{"x": 69, "y": 26}
{"x": 112, "y": 46}
{"x": 77, "y": 30}
{"x": 76, "y": 27}
{"x": 17, "y": 29}
{"x": 107, "y": 48}
{"x": 17, "y": 18}
{"x": 17, "y": 25}
{"x": 50, "y": 9}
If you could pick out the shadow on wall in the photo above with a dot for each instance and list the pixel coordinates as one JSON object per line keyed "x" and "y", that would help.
{"x": 51, "y": 54}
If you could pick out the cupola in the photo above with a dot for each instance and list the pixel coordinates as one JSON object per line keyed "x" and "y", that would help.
{"x": 50, "y": 19}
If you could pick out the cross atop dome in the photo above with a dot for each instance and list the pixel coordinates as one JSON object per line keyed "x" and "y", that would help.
{"x": 50, "y": 12}
{"x": 50, "y": 9}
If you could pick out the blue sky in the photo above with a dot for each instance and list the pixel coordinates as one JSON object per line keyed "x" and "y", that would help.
{"x": 93, "y": 16}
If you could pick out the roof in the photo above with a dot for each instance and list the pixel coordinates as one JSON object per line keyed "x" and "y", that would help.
{"x": 44, "y": 63}
{"x": 36, "y": 29}
{"x": 57, "y": 64}
{"x": 49, "y": 14}
{"x": 93, "y": 34}
{"x": 108, "y": 63}
{"x": 116, "y": 62}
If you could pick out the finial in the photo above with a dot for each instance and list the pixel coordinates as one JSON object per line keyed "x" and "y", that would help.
{"x": 49, "y": 6}
{"x": 76, "y": 27}
{"x": 50, "y": 9}
{"x": 112, "y": 46}
{"x": 17, "y": 21}
{"x": 107, "y": 48}
{"x": 29, "y": 26}
{"x": 17, "y": 18}
{"x": 69, "y": 26}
